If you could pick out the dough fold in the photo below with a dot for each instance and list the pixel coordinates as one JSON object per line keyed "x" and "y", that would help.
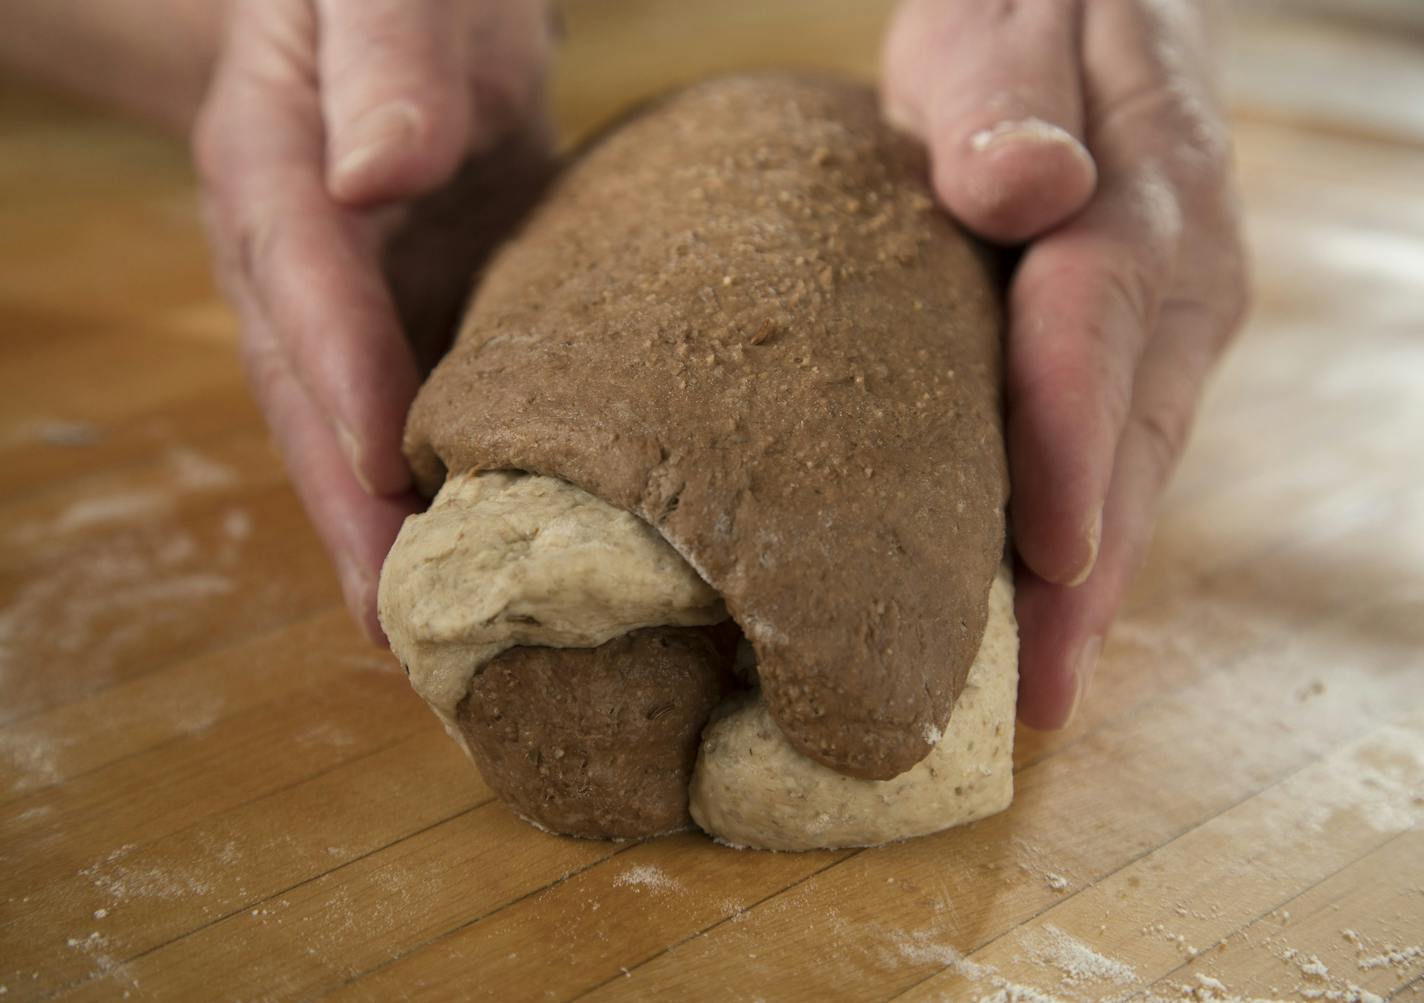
{"x": 751, "y": 788}
{"x": 540, "y": 623}
{"x": 502, "y": 559}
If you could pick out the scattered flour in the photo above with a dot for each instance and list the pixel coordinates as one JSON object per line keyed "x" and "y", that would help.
{"x": 326, "y": 733}
{"x": 129, "y": 506}
{"x": 1321, "y": 985}
{"x": 30, "y": 756}
{"x": 647, "y": 876}
{"x": 193, "y": 470}
{"x": 237, "y": 524}
{"x": 1012, "y": 992}
{"x": 1075, "y": 961}
{"x": 1350, "y": 994}
{"x": 1394, "y": 957}
{"x": 95, "y": 946}
{"x": 921, "y": 947}
{"x": 80, "y": 606}
{"x": 124, "y": 881}
{"x": 59, "y": 432}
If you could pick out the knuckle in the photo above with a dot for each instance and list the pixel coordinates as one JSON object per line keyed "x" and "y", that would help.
{"x": 264, "y": 368}
{"x": 1176, "y": 120}
{"x": 1136, "y": 283}
{"x": 1163, "y": 435}
{"x": 1200, "y": 141}
{"x": 248, "y": 243}
{"x": 1236, "y": 303}
{"x": 206, "y": 145}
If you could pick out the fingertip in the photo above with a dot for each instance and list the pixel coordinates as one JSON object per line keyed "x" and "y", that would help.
{"x": 400, "y": 148}
{"x": 361, "y": 603}
{"x": 379, "y": 472}
{"x": 1088, "y": 541}
{"x": 1058, "y": 656}
{"x": 1056, "y": 505}
{"x": 1015, "y": 179}
{"x": 1061, "y": 558}
{"x": 366, "y": 152}
{"x": 369, "y": 622}
{"x": 1048, "y": 699}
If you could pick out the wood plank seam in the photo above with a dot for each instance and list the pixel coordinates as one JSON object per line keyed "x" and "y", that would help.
{"x": 1282, "y": 781}
{"x": 1264, "y": 914}
{"x": 128, "y": 464}
{"x": 414, "y": 948}
{"x": 1227, "y": 668}
{"x": 1198, "y": 587}
{"x": 1408, "y": 987}
{"x": 1253, "y": 792}
{"x": 183, "y": 660}
{"x": 1233, "y": 663}
{"x": 71, "y": 987}
{"x": 628, "y": 971}
{"x": 1275, "y": 907}
{"x": 341, "y": 764}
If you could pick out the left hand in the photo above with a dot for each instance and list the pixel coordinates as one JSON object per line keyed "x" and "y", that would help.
{"x": 344, "y": 227}
{"x": 1091, "y": 130}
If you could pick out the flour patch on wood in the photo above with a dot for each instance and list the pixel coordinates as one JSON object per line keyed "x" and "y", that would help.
{"x": 1074, "y": 960}
{"x": 648, "y": 877}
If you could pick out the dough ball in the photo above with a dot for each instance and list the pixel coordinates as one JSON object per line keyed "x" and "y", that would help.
{"x": 598, "y": 742}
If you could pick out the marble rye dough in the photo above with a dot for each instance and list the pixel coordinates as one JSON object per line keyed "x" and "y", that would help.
{"x": 735, "y": 364}
{"x": 601, "y": 740}
{"x": 739, "y": 317}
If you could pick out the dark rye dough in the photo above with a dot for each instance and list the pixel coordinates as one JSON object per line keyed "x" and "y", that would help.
{"x": 598, "y": 742}
{"x": 740, "y": 316}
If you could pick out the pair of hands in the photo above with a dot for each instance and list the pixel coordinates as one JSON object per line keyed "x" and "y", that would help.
{"x": 1086, "y": 129}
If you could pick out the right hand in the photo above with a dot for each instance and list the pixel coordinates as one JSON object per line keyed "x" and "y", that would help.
{"x": 1093, "y": 132}
{"x": 323, "y": 117}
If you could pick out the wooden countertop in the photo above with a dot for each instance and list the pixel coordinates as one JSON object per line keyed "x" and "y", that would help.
{"x": 210, "y": 787}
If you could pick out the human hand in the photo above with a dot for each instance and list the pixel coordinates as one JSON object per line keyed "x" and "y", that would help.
{"x": 1089, "y": 129}
{"x": 325, "y": 120}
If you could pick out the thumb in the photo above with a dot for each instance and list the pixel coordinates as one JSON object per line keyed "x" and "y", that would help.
{"x": 393, "y": 95}
{"x": 993, "y": 90}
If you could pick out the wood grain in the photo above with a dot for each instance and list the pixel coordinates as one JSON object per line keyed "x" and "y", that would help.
{"x": 211, "y": 787}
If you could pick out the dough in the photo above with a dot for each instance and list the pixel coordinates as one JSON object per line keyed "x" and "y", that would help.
{"x": 506, "y": 592}
{"x": 747, "y": 369}
{"x": 597, "y": 742}
{"x": 751, "y": 788}
{"x": 739, "y": 317}
{"x": 503, "y": 559}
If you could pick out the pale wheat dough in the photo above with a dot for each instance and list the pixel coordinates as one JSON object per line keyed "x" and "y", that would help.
{"x": 503, "y": 559}
{"x": 750, "y": 788}
{"x": 506, "y": 559}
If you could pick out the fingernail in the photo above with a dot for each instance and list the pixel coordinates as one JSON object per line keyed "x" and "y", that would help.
{"x": 356, "y": 591}
{"x": 352, "y": 449}
{"x": 374, "y": 136}
{"x": 1083, "y": 668}
{"x": 1023, "y": 131}
{"x": 1092, "y": 537}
